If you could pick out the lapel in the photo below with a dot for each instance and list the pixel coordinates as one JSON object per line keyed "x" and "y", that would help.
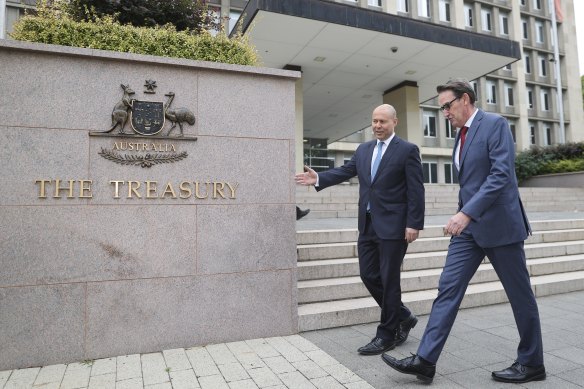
{"x": 470, "y": 135}
{"x": 386, "y": 156}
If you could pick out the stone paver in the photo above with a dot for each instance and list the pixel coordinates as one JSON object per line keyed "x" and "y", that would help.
{"x": 482, "y": 341}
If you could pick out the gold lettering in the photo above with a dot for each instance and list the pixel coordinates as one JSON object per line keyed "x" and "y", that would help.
{"x": 117, "y": 188}
{"x": 154, "y": 147}
{"x": 197, "y": 193}
{"x": 116, "y": 146}
{"x": 131, "y": 189}
{"x": 83, "y": 189}
{"x": 168, "y": 189}
{"x": 172, "y": 147}
{"x": 217, "y": 189}
{"x": 185, "y": 188}
{"x": 58, "y": 188}
{"x": 232, "y": 189}
{"x": 144, "y": 147}
{"x": 151, "y": 188}
{"x": 42, "y": 189}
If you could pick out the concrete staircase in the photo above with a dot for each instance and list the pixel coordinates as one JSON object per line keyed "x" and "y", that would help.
{"x": 331, "y": 294}
{"x": 341, "y": 200}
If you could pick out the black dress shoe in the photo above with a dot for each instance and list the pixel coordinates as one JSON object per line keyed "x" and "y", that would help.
{"x": 377, "y": 346}
{"x": 519, "y": 373}
{"x": 300, "y": 213}
{"x": 412, "y": 365}
{"x": 405, "y": 327}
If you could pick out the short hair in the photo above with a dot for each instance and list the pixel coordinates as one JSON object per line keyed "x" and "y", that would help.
{"x": 458, "y": 87}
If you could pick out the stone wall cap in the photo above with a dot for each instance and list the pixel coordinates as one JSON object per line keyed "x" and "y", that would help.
{"x": 9, "y": 44}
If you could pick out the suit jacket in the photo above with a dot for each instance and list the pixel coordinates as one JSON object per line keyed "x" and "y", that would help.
{"x": 488, "y": 185}
{"x": 396, "y": 195}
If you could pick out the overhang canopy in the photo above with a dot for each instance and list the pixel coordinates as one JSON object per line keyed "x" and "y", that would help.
{"x": 348, "y": 56}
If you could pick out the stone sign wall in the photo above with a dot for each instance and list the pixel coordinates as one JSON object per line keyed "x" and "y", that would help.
{"x": 113, "y": 244}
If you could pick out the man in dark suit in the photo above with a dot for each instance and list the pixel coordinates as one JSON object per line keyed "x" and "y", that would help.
{"x": 490, "y": 221}
{"x": 391, "y": 213}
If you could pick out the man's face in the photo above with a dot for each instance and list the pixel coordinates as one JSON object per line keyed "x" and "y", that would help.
{"x": 454, "y": 108}
{"x": 382, "y": 123}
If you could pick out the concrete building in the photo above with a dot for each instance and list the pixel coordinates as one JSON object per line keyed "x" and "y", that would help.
{"x": 525, "y": 89}
{"x": 357, "y": 54}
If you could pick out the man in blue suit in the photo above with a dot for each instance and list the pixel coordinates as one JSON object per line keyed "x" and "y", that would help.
{"x": 391, "y": 213}
{"x": 490, "y": 221}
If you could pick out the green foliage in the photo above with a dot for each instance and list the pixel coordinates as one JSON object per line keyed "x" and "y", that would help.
{"x": 568, "y": 157}
{"x": 53, "y": 25}
{"x": 190, "y": 15}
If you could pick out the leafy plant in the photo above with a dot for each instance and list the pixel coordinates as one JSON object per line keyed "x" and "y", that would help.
{"x": 562, "y": 158}
{"x": 53, "y": 25}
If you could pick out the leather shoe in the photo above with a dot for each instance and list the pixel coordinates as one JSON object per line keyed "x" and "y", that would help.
{"x": 414, "y": 365}
{"x": 519, "y": 373}
{"x": 405, "y": 327}
{"x": 300, "y": 213}
{"x": 377, "y": 346}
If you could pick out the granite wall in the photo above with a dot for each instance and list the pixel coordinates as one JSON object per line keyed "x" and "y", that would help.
{"x": 153, "y": 264}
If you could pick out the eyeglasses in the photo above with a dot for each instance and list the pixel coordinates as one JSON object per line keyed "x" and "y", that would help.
{"x": 446, "y": 106}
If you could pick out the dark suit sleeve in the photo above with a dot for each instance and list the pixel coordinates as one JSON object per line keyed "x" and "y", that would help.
{"x": 337, "y": 175}
{"x": 415, "y": 190}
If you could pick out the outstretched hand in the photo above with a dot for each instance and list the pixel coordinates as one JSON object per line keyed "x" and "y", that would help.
{"x": 307, "y": 178}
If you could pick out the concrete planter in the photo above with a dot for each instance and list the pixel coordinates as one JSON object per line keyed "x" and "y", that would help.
{"x": 91, "y": 273}
{"x": 560, "y": 180}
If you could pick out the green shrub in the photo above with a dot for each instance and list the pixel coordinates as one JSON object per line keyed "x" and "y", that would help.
{"x": 51, "y": 25}
{"x": 562, "y": 158}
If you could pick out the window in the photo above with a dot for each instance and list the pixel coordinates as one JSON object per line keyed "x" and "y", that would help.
{"x": 548, "y": 136}
{"x": 527, "y": 61}
{"x": 429, "y": 124}
{"x": 444, "y": 6}
{"x": 450, "y": 133}
{"x": 522, "y": 2}
{"x": 450, "y": 175}
{"x": 475, "y": 87}
{"x": 403, "y": 6}
{"x": 468, "y": 22}
{"x": 375, "y": 3}
{"x": 532, "y": 133}
{"x": 536, "y": 4}
{"x": 525, "y": 27}
{"x": 530, "y": 98}
{"x": 491, "y": 92}
{"x": 507, "y": 67}
{"x": 512, "y": 128}
{"x": 430, "y": 170}
{"x": 486, "y": 15}
{"x": 504, "y": 19}
{"x": 539, "y": 32}
{"x": 508, "y": 95}
{"x": 542, "y": 66}
{"x": 233, "y": 18}
{"x": 545, "y": 101}
{"x": 424, "y": 8}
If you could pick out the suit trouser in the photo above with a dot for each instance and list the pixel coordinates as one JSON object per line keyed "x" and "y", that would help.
{"x": 379, "y": 266}
{"x": 463, "y": 259}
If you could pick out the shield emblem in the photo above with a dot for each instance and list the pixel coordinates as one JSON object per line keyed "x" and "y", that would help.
{"x": 147, "y": 117}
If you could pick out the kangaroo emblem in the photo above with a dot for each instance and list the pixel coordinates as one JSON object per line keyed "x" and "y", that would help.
{"x": 120, "y": 111}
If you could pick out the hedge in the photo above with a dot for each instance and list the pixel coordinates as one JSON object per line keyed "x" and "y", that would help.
{"x": 562, "y": 158}
{"x": 54, "y": 27}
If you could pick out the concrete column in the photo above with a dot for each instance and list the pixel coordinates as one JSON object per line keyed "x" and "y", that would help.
{"x": 457, "y": 13}
{"x": 299, "y": 144}
{"x": 405, "y": 100}
{"x": 522, "y": 131}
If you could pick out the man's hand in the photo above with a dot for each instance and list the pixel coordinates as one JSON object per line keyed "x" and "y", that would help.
{"x": 307, "y": 178}
{"x": 411, "y": 235}
{"x": 457, "y": 224}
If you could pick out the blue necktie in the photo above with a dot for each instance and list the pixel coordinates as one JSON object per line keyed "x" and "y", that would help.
{"x": 377, "y": 160}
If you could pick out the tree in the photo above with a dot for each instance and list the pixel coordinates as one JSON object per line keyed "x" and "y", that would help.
{"x": 185, "y": 15}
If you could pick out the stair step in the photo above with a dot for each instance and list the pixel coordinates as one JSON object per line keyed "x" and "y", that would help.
{"x": 351, "y": 287}
{"x": 364, "y": 310}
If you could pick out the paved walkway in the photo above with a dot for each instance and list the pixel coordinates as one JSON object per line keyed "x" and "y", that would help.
{"x": 483, "y": 339}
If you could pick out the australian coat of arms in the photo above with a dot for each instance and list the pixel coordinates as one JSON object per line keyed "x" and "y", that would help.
{"x": 147, "y": 119}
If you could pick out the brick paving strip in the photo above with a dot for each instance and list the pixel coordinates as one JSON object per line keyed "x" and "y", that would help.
{"x": 275, "y": 363}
